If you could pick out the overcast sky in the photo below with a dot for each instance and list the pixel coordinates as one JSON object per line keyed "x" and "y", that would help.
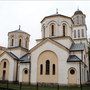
{"x": 28, "y": 14}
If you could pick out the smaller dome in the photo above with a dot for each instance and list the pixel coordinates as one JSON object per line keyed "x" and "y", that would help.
{"x": 78, "y": 12}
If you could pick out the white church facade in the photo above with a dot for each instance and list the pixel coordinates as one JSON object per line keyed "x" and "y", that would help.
{"x": 60, "y": 56}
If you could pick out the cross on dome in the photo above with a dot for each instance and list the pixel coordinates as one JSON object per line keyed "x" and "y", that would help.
{"x": 56, "y": 10}
{"x": 19, "y": 27}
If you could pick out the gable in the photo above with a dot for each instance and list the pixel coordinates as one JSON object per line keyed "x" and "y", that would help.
{"x": 6, "y": 55}
{"x": 50, "y": 41}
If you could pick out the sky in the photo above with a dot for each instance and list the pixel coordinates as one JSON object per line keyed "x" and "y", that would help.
{"x": 28, "y": 14}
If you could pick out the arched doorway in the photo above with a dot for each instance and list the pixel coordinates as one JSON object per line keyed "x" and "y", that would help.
{"x": 72, "y": 76}
{"x": 25, "y": 75}
{"x": 47, "y": 67}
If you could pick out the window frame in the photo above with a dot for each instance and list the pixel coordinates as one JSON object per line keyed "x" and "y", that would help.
{"x": 47, "y": 67}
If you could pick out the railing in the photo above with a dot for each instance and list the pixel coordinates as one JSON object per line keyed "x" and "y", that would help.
{"x": 6, "y": 85}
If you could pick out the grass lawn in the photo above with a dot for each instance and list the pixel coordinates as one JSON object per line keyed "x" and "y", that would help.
{"x": 31, "y": 87}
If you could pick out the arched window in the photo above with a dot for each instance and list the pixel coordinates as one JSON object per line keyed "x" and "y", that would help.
{"x": 12, "y": 41}
{"x": 64, "y": 28}
{"x": 41, "y": 69}
{"x": 47, "y": 67}
{"x": 78, "y": 33}
{"x": 4, "y": 65}
{"x": 52, "y": 30}
{"x": 53, "y": 69}
{"x": 19, "y": 42}
{"x": 74, "y": 33}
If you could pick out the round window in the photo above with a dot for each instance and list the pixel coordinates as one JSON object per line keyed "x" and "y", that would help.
{"x": 26, "y": 71}
{"x": 72, "y": 71}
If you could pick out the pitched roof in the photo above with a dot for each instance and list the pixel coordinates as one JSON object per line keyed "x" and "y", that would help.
{"x": 53, "y": 15}
{"x": 73, "y": 58}
{"x": 19, "y": 31}
{"x": 3, "y": 48}
{"x": 44, "y": 41}
{"x": 11, "y": 55}
{"x": 77, "y": 47}
{"x": 25, "y": 59}
{"x": 16, "y": 47}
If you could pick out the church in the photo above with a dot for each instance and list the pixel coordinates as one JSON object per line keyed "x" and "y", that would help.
{"x": 60, "y": 56}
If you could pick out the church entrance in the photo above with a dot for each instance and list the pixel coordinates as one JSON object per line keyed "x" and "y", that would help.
{"x": 72, "y": 76}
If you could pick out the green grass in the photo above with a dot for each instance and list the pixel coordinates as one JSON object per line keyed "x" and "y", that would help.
{"x": 32, "y": 87}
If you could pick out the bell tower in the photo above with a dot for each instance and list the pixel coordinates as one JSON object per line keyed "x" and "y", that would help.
{"x": 18, "y": 40}
{"x": 79, "y": 33}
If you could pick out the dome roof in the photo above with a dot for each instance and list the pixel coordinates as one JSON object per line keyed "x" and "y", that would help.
{"x": 78, "y": 12}
{"x": 18, "y": 31}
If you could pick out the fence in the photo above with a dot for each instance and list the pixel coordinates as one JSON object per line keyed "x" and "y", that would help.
{"x": 5, "y": 85}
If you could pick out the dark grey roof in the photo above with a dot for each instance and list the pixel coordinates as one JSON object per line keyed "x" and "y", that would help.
{"x": 77, "y": 47}
{"x": 25, "y": 59}
{"x": 73, "y": 58}
{"x": 13, "y": 56}
{"x": 78, "y": 12}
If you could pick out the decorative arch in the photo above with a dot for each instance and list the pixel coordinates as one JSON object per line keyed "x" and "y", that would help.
{"x": 4, "y": 69}
{"x": 49, "y": 60}
{"x": 52, "y": 22}
{"x": 65, "y": 22}
{"x": 20, "y": 40}
{"x": 25, "y": 75}
{"x": 52, "y": 28}
{"x": 65, "y": 25}
{"x": 72, "y": 76}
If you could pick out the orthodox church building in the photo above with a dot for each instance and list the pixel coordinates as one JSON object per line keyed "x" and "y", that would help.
{"x": 60, "y": 56}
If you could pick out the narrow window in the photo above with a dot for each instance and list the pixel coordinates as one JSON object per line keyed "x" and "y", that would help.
{"x": 74, "y": 33}
{"x": 4, "y": 74}
{"x": 78, "y": 33}
{"x": 47, "y": 67}
{"x": 19, "y": 42}
{"x": 53, "y": 72}
{"x": 52, "y": 30}
{"x": 82, "y": 32}
{"x": 77, "y": 19}
{"x": 82, "y": 20}
{"x": 41, "y": 69}
{"x": 4, "y": 65}
{"x": 12, "y": 41}
{"x": 63, "y": 30}
{"x": 44, "y": 32}
{"x": 26, "y": 44}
